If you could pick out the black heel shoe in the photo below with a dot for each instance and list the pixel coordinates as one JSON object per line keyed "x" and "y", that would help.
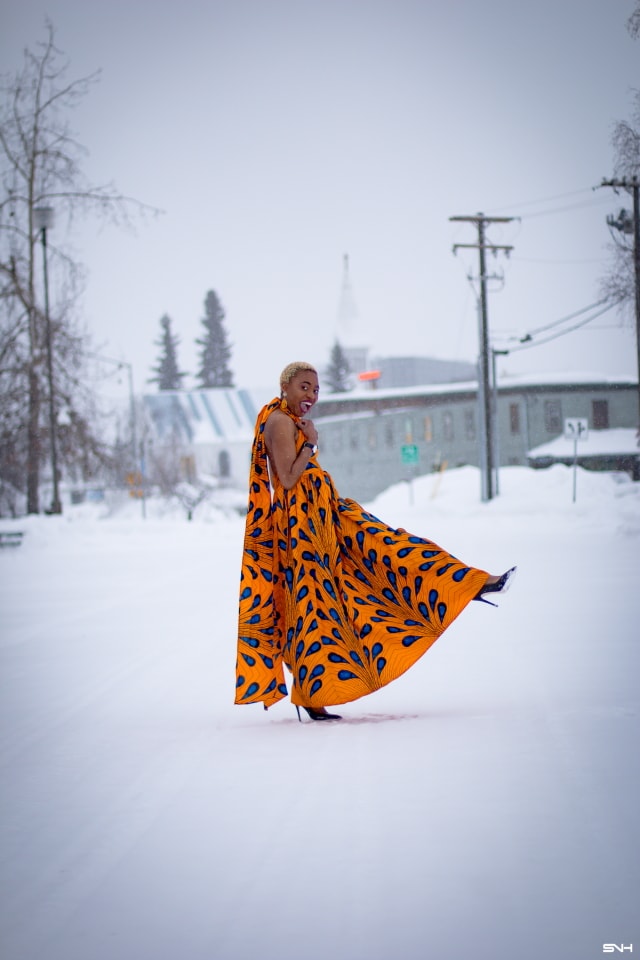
{"x": 500, "y": 586}
{"x": 320, "y": 714}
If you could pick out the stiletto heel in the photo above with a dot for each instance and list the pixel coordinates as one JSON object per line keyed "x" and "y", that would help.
{"x": 500, "y": 586}
{"x": 319, "y": 714}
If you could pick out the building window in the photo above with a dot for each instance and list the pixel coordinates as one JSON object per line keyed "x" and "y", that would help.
{"x": 553, "y": 416}
{"x": 354, "y": 439}
{"x": 408, "y": 431}
{"x": 428, "y": 429}
{"x": 372, "y": 437}
{"x": 469, "y": 425}
{"x": 224, "y": 463}
{"x": 447, "y": 425}
{"x": 388, "y": 433}
{"x": 600, "y": 414}
{"x": 514, "y": 418}
{"x": 188, "y": 469}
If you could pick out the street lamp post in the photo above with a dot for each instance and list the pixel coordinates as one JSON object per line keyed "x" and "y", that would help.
{"x": 43, "y": 222}
{"x": 135, "y": 466}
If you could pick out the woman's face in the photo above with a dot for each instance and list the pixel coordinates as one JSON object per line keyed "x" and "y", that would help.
{"x": 302, "y": 392}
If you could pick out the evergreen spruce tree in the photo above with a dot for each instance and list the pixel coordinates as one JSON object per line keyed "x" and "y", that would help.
{"x": 338, "y": 372}
{"x": 168, "y": 377}
{"x": 215, "y": 353}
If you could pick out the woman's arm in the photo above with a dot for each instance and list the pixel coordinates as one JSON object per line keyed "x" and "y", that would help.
{"x": 280, "y": 435}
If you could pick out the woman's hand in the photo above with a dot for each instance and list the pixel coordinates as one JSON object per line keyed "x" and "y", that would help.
{"x": 309, "y": 429}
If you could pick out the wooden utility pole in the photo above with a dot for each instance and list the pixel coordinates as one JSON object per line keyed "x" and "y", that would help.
{"x": 632, "y": 184}
{"x": 484, "y": 380}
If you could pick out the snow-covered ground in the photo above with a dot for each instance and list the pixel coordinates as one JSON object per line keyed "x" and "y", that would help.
{"x": 483, "y": 807}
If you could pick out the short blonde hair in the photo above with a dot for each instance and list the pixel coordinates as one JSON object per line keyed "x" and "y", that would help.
{"x": 291, "y": 369}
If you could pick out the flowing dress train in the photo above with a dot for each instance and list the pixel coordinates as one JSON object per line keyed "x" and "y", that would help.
{"x": 346, "y": 602}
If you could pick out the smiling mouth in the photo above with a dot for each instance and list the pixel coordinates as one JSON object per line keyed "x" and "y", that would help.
{"x": 305, "y": 407}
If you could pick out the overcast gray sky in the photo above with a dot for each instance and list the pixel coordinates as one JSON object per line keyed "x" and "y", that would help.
{"x": 279, "y": 135}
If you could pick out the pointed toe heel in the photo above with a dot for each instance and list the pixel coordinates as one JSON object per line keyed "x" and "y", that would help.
{"x": 319, "y": 714}
{"x": 500, "y": 586}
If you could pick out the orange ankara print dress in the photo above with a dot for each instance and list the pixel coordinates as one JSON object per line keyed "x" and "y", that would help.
{"x": 346, "y": 602}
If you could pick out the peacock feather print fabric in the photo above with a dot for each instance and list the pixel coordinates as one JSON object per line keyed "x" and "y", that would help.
{"x": 328, "y": 590}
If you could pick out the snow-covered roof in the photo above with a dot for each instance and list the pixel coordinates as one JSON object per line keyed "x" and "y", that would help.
{"x": 563, "y": 379}
{"x": 462, "y": 386}
{"x": 599, "y": 443}
{"x": 206, "y": 416}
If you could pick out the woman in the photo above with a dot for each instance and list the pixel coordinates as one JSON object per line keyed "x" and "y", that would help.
{"x": 346, "y": 602}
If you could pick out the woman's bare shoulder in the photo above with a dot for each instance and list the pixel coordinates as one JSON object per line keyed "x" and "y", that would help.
{"x": 278, "y": 422}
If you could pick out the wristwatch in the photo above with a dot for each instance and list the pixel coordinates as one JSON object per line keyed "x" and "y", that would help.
{"x": 312, "y": 446}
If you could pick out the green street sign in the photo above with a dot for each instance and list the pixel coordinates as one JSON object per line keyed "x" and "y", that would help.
{"x": 409, "y": 453}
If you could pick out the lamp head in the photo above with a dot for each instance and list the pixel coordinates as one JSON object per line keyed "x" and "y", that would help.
{"x": 43, "y": 217}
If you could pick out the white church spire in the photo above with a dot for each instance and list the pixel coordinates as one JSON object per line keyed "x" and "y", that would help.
{"x": 349, "y": 332}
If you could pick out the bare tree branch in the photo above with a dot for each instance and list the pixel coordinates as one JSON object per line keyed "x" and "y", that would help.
{"x": 41, "y": 165}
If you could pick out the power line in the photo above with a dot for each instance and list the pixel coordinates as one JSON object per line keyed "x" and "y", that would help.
{"x": 570, "y": 316}
{"x": 534, "y": 203}
{"x": 560, "y": 196}
{"x": 574, "y": 263}
{"x": 527, "y": 341}
{"x": 572, "y": 206}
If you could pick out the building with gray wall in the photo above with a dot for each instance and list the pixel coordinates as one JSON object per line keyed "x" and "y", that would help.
{"x": 362, "y": 434}
{"x": 416, "y": 371}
